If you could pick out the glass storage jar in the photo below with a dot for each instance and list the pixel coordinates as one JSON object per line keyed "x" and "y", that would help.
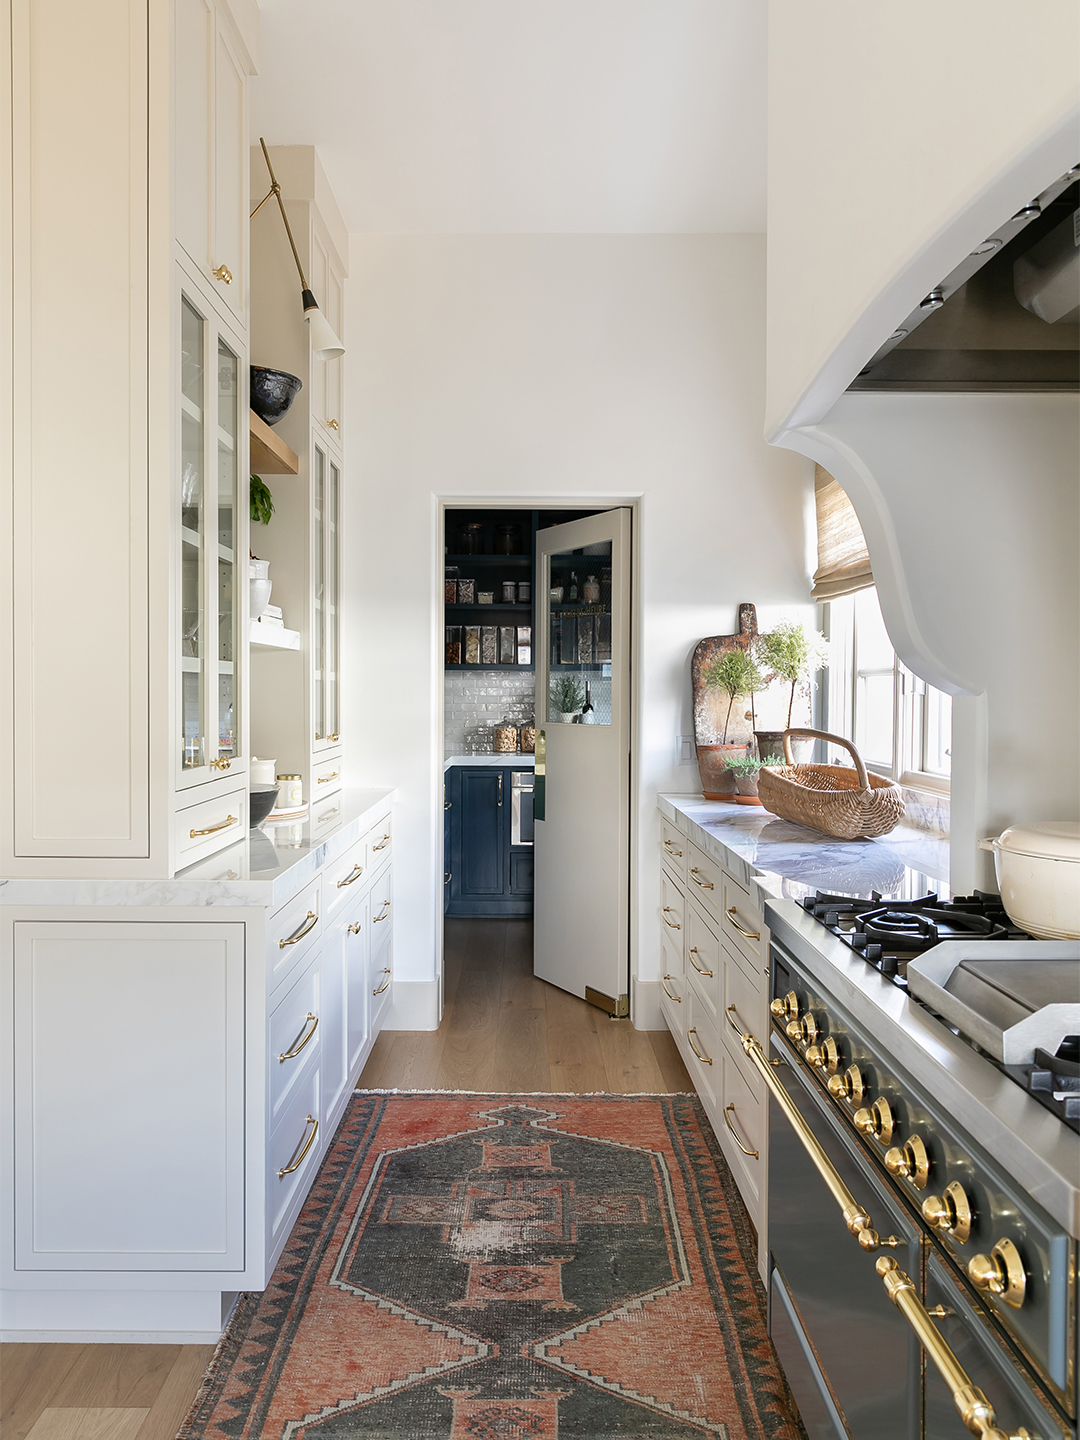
{"x": 506, "y": 737}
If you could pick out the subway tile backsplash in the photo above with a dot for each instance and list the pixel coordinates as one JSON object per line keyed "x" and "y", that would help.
{"x": 476, "y": 702}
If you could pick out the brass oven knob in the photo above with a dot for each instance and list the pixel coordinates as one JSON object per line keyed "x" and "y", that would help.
{"x": 950, "y": 1211}
{"x": 793, "y": 1031}
{"x": 1001, "y": 1273}
{"x": 825, "y": 1056}
{"x": 876, "y": 1120}
{"x": 810, "y": 1031}
{"x": 788, "y": 1007}
{"x": 848, "y": 1086}
{"x": 776, "y": 1008}
{"x": 912, "y": 1162}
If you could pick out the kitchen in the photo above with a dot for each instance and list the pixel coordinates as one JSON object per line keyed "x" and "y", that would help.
{"x": 602, "y": 370}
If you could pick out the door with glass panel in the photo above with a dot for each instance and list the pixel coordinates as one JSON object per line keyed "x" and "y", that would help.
{"x": 582, "y": 785}
{"x": 326, "y": 483}
{"x": 212, "y": 545}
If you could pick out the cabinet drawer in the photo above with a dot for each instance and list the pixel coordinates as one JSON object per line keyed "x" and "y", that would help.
{"x": 346, "y": 876}
{"x": 293, "y": 1152}
{"x": 381, "y": 910}
{"x": 380, "y": 985}
{"x": 380, "y": 840}
{"x": 325, "y": 777}
{"x": 294, "y": 1038}
{"x": 202, "y": 829}
{"x": 292, "y": 931}
{"x": 672, "y": 981}
{"x": 742, "y": 1129}
{"x": 672, "y": 909}
{"x": 325, "y": 814}
{"x": 703, "y": 1052}
{"x": 744, "y": 1006}
{"x": 673, "y": 847}
{"x": 704, "y": 967}
{"x": 703, "y": 879}
{"x": 744, "y": 924}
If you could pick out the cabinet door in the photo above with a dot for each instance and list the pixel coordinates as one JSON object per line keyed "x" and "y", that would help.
{"x": 193, "y": 49}
{"x": 228, "y": 251}
{"x": 325, "y": 541}
{"x": 448, "y": 875}
{"x": 334, "y": 1017}
{"x": 485, "y": 801}
{"x": 129, "y": 1096}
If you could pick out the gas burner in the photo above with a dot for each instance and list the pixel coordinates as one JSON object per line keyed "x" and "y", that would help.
{"x": 1054, "y": 1080}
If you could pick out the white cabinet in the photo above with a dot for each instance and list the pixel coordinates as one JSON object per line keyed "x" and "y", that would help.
{"x": 129, "y": 1084}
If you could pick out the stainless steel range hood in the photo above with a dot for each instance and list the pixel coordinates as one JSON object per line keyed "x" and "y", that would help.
{"x": 1002, "y": 320}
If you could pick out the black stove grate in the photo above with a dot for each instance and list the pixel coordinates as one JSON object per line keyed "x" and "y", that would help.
{"x": 1054, "y": 1080}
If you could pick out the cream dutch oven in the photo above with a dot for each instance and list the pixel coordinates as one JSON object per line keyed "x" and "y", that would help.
{"x": 1038, "y": 874}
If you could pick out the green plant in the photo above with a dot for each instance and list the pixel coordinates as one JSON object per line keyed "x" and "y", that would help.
{"x": 736, "y": 673}
{"x": 792, "y": 655}
{"x": 744, "y": 765}
{"x": 262, "y": 502}
{"x": 567, "y": 694}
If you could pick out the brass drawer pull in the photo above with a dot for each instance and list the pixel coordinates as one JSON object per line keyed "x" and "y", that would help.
{"x": 669, "y": 846}
{"x": 384, "y": 984}
{"x": 325, "y": 779}
{"x": 385, "y": 913}
{"x": 746, "y": 934}
{"x": 701, "y": 884}
{"x": 699, "y": 1053}
{"x": 354, "y": 928}
{"x": 699, "y": 968}
{"x": 729, "y": 1110}
{"x": 303, "y": 1040}
{"x": 302, "y": 1149}
{"x": 669, "y": 923}
{"x": 223, "y": 273}
{"x": 310, "y": 921}
{"x": 667, "y": 992}
{"x": 213, "y": 829}
{"x": 447, "y": 877}
{"x": 382, "y": 843}
{"x": 734, "y": 1021}
{"x": 357, "y": 871}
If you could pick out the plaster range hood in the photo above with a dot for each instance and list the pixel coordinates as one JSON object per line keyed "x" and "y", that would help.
{"x": 1004, "y": 319}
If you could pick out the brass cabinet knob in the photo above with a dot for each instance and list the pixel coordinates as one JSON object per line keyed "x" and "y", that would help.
{"x": 876, "y": 1120}
{"x": 332, "y": 425}
{"x": 950, "y": 1211}
{"x": 1000, "y": 1273}
{"x": 912, "y": 1162}
{"x": 221, "y": 763}
{"x": 848, "y": 1086}
{"x": 224, "y": 274}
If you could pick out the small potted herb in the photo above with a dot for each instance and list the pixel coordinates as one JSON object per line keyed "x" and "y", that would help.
{"x": 566, "y": 698}
{"x": 732, "y": 673}
{"x": 792, "y": 655}
{"x": 744, "y": 771}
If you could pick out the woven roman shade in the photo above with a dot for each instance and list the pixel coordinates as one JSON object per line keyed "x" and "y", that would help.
{"x": 843, "y": 560}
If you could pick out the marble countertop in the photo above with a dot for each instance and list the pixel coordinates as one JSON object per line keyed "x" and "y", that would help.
{"x": 511, "y": 758}
{"x": 776, "y": 859}
{"x": 264, "y": 869}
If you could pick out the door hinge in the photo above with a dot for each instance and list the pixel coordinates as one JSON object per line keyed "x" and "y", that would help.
{"x": 617, "y": 1009}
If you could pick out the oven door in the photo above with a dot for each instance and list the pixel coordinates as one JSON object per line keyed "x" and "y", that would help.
{"x": 850, "y": 1357}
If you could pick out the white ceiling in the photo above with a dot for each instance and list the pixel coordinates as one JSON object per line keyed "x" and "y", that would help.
{"x": 524, "y": 116}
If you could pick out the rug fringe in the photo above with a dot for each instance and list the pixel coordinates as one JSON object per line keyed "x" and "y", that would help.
{"x": 246, "y": 1304}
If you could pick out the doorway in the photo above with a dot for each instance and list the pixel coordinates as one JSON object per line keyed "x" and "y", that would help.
{"x": 536, "y": 797}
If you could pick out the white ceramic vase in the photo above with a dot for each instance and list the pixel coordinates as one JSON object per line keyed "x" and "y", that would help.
{"x": 259, "y": 587}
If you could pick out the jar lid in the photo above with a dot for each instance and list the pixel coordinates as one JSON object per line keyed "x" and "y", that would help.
{"x": 1047, "y": 839}
{"x": 290, "y": 777}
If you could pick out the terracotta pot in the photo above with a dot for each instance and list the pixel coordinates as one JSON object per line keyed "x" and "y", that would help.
{"x": 716, "y": 782}
{"x": 746, "y": 785}
{"x": 770, "y": 744}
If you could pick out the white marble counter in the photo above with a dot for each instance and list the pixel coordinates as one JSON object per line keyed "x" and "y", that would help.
{"x": 510, "y": 758}
{"x": 264, "y": 869}
{"x": 776, "y": 859}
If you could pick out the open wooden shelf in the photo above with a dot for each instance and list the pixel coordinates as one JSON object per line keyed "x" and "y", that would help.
{"x": 269, "y": 453}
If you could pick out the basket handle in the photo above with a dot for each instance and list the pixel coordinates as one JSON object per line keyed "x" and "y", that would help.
{"x": 860, "y": 768}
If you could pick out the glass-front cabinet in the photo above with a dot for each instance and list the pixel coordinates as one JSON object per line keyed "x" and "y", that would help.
{"x": 326, "y": 569}
{"x": 211, "y": 493}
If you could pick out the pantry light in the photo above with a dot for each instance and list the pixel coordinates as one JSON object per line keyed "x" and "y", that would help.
{"x": 986, "y": 247}
{"x": 325, "y": 345}
{"x": 934, "y": 300}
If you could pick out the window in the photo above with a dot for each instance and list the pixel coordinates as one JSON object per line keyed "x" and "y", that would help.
{"x": 900, "y": 725}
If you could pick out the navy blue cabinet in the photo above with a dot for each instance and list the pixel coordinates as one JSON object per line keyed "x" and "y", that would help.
{"x": 486, "y": 873}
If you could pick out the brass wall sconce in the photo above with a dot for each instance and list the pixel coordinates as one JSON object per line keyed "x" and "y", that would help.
{"x": 325, "y": 344}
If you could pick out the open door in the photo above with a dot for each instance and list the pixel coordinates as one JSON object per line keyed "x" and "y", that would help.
{"x": 582, "y": 796}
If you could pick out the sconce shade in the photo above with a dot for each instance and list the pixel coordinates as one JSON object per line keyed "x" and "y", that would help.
{"x": 325, "y": 344}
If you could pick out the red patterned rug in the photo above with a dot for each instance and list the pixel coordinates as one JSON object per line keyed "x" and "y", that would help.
{"x": 508, "y": 1267}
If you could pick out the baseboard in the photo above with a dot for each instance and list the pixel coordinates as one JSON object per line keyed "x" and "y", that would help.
{"x": 109, "y": 1337}
{"x": 645, "y": 1005}
{"x": 415, "y": 1006}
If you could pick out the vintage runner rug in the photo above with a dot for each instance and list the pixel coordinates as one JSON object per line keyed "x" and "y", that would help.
{"x": 508, "y": 1267}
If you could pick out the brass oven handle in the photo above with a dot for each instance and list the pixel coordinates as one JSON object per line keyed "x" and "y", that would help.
{"x": 382, "y": 843}
{"x": 699, "y": 968}
{"x": 972, "y": 1405}
{"x": 310, "y": 921}
{"x": 357, "y": 871}
{"x": 699, "y": 1053}
{"x": 667, "y": 992}
{"x": 301, "y": 1150}
{"x": 856, "y": 1219}
{"x": 291, "y": 1054}
{"x": 701, "y": 884}
{"x": 669, "y": 846}
{"x": 731, "y": 912}
{"x": 325, "y": 779}
{"x": 385, "y": 912}
{"x": 384, "y": 984}
{"x": 735, "y": 1134}
{"x": 212, "y": 829}
{"x": 669, "y": 923}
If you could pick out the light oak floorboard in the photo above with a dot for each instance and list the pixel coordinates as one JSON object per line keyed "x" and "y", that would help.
{"x": 676, "y": 1076}
{"x": 371, "y": 1077}
{"x": 88, "y": 1422}
{"x": 574, "y": 1055}
{"x": 521, "y": 1062}
{"x": 29, "y": 1378}
{"x": 629, "y": 1059}
{"x": 173, "y": 1400}
{"x": 112, "y": 1375}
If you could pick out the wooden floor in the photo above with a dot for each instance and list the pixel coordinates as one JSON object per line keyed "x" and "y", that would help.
{"x": 502, "y": 1030}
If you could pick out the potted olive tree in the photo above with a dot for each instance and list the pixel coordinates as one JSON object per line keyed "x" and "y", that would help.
{"x": 734, "y": 673}
{"x": 791, "y": 655}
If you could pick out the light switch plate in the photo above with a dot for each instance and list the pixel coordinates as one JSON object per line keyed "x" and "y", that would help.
{"x": 684, "y": 749}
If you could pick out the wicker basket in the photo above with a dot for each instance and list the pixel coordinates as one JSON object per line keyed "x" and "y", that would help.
{"x": 850, "y": 804}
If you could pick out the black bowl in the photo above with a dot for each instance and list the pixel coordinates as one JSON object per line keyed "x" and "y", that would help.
{"x": 260, "y": 803}
{"x": 272, "y": 392}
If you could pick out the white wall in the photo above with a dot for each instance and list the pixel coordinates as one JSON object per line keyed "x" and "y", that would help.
{"x": 567, "y": 368}
{"x": 899, "y": 137}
